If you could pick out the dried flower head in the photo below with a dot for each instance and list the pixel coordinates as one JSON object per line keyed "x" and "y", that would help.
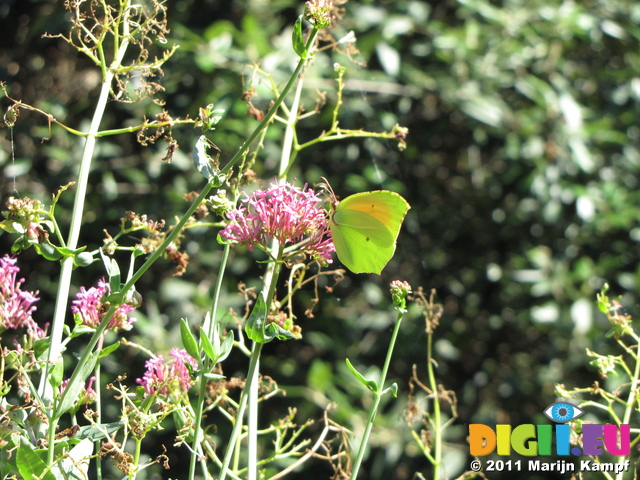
{"x": 286, "y": 213}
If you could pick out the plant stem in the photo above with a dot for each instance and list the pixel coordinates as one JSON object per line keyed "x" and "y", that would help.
{"x": 64, "y": 284}
{"x": 136, "y": 460}
{"x": 288, "y": 152}
{"x": 437, "y": 430}
{"x": 202, "y": 379}
{"x": 76, "y": 222}
{"x": 376, "y": 399}
{"x": 629, "y": 407}
{"x": 237, "y": 426}
{"x": 252, "y": 425}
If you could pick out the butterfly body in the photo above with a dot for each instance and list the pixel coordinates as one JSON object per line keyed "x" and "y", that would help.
{"x": 364, "y": 228}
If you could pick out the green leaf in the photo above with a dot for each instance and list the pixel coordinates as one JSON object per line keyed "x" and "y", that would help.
{"x": 370, "y": 384}
{"x": 258, "y": 330}
{"x": 602, "y": 306}
{"x": 75, "y": 464}
{"x": 80, "y": 329}
{"x": 97, "y": 432}
{"x": 40, "y": 347}
{"x": 20, "y": 244}
{"x": 208, "y": 348}
{"x": 297, "y": 39}
{"x": 210, "y": 116}
{"x": 218, "y": 179}
{"x": 31, "y": 463}
{"x": 255, "y": 326}
{"x": 148, "y": 401}
{"x": 48, "y": 251}
{"x": 393, "y": 388}
{"x": 68, "y": 252}
{"x": 107, "y": 350}
{"x": 225, "y": 348}
{"x": 56, "y": 374}
{"x": 10, "y": 226}
{"x": 273, "y": 330}
{"x": 71, "y": 393}
{"x": 188, "y": 340}
{"x": 114, "y": 276}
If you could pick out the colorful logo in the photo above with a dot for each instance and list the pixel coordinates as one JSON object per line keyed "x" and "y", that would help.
{"x": 562, "y": 412}
{"x": 530, "y": 440}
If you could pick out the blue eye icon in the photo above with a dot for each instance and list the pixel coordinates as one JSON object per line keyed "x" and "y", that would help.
{"x": 562, "y": 412}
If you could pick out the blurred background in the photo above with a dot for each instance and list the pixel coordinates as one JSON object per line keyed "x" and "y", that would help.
{"x": 521, "y": 168}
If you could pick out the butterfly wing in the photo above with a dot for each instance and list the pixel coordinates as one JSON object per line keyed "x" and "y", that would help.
{"x": 362, "y": 242}
{"x": 364, "y": 229}
{"x": 388, "y": 207}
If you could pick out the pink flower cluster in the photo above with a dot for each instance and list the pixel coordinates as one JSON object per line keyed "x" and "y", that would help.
{"x": 91, "y": 307}
{"x": 286, "y": 213}
{"x": 16, "y": 305}
{"x": 171, "y": 377}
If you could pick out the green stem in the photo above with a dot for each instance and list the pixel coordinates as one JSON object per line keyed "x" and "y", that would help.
{"x": 237, "y": 426}
{"x": 98, "y": 390}
{"x": 218, "y": 291}
{"x": 64, "y": 284}
{"x": 630, "y": 406}
{"x": 203, "y": 380}
{"x": 289, "y": 152}
{"x": 271, "y": 279}
{"x": 252, "y": 425}
{"x": 376, "y": 399}
{"x": 136, "y": 460}
{"x": 437, "y": 430}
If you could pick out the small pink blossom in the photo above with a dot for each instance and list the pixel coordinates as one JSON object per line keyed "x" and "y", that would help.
{"x": 286, "y": 213}
{"x": 170, "y": 377}
{"x": 399, "y": 292}
{"x": 90, "y": 306}
{"x": 16, "y": 305}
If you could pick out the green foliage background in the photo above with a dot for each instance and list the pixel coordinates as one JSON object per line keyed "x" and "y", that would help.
{"x": 521, "y": 168}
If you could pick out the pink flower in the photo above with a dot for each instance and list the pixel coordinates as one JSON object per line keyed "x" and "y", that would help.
{"x": 90, "y": 306}
{"x": 16, "y": 305}
{"x": 171, "y": 377}
{"x": 286, "y": 213}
